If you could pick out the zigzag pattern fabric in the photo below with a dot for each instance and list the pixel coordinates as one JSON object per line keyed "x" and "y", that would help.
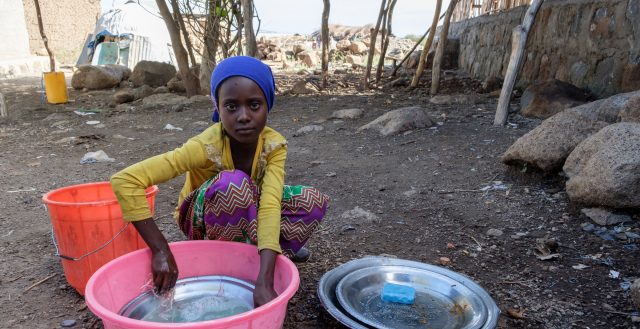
{"x": 226, "y": 208}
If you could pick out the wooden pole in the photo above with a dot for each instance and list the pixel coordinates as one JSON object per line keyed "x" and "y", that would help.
{"x": 385, "y": 40}
{"x": 249, "y": 33}
{"x": 372, "y": 46}
{"x": 442, "y": 43}
{"x": 52, "y": 61}
{"x": 516, "y": 59}
{"x": 190, "y": 81}
{"x": 185, "y": 34}
{"x": 395, "y": 70}
{"x": 325, "y": 42}
{"x": 427, "y": 45}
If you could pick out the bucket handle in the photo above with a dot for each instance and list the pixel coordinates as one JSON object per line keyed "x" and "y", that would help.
{"x": 55, "y": 244}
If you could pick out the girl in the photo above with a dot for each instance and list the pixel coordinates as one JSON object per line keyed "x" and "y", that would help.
{"x": 234, "y": 189}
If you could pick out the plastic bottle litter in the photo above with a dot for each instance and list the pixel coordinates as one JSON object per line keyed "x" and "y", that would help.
{"x": 98, "y": 156}
{"x": 172, "y": 127}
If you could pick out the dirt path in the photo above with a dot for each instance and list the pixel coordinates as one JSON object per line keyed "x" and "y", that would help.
{"x": 422, "y": 186}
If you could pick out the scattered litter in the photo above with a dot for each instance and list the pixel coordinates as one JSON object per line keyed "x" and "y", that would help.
{"x": 597, "y": 259}
{"x": 331, "y": 174}
{"x": 444, "y": 261}
{"x": 632, "y": 235}
{"x": 348, "y": 228}
{"x": 98, "y": 156}
{"x": 171, "y": 127}
{"x": 588, "y": 227}
{"x": 84, "y": 113}
{"x": 516, "y": 314}
{"x": 630, "y": 247}
{"x": 625, "y": 284}
{"x": 546, "y": 249}
{"x": 7, "y": 234}
{"x": 451, "y": 245}
{"x": 579, "y": 267}
{"x": 25, "y": 190}
{"x": 495, "y": 186}
{"x": 614, "y": 274}
{"x": 512, "y": 125}
{"x": 92, "y": 122}
{"x": 68, "y": 323}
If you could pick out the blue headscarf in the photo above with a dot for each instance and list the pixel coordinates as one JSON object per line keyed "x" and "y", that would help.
{"x": 247, "y": 67}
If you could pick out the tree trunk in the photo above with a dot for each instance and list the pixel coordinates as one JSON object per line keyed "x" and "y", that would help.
{"x": 325, "y": 42}
{"x": 3, "y": 106}
{"x": 395, "y": 70}
{"x": 372, "y": 46}
{"x": 190, "y": 81}
{"x": 427, "y": 45}
{"x": 183, "y": 29}
{"x": 208, "y": 62}
{"x": 52, "y": 60}
{"x": 442, "y": 43}
{"x": 516, "y": 59}
{"x": 249, "y": 33}
{"x": 385, "y": 40}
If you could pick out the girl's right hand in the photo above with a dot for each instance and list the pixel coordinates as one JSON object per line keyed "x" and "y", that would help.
{"x": 165, "y": 271}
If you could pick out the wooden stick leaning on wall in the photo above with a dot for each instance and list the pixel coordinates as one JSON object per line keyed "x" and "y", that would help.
{"x": 427, "y": 45}
{"x": 516, "y": 59}
{"x": 384, "y": 43}
{"x": 52, "y": 61}
{"x": 395, "y": 70}
{"x": 372, "y": 46}
{"x": 442, "y": 43}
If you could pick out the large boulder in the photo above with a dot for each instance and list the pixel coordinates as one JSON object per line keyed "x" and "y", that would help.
{"x": 547, "y": 146}
{"x": 544, "y": 99}
{"x": 400, "y": 120}
{"x": 347, "y": 114}
{"x": 130, "y": 95}
{"x": 163, "y": 101}
{"x": 153, "y": 74}
{"x": 413, "y": 60}
{"x": 358, "y": 48}
{"x": 604, "y": 170}
{"x": 343, "y": 45}
{"x": 354, "y": 59}
{"x": 99, "y": 77}
{"x": 310, "y": 59}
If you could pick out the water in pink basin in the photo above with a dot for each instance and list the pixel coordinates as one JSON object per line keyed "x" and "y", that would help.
{"x": 120, "y": 281}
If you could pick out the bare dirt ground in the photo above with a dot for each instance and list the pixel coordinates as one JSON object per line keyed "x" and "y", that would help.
{"x": 423, "y": 186}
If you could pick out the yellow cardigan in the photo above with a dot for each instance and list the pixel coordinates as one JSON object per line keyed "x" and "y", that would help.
{"x": 203, "y": 157}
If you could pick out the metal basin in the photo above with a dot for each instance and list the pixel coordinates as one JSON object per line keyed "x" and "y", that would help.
{"x": 195, "y": 299}
{"x": 329, "y": 282}
{"x": 440, "y": 301}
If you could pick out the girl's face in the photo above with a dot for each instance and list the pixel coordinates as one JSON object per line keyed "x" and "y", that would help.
{"x": 243, "y": 109}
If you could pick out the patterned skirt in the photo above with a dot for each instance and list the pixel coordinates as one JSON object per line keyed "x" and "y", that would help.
{"x": 226, "y": 208}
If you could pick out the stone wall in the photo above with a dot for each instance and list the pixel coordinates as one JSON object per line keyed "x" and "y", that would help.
{"x": 66, "y": 24}
{"x": 13, "y": 32}
{"x": 592, "y": 44}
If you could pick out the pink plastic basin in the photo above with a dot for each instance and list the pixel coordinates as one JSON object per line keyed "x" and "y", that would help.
{"x": 119, "y": 281}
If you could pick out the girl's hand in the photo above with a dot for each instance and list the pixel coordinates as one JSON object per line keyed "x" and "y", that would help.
{"x": 264, "y": 292}
{"x": 163, "y": 265}
{"x": 165, "y": 271}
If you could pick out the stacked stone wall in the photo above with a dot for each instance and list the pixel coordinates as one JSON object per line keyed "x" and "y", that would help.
{"x": 592, "y": 44}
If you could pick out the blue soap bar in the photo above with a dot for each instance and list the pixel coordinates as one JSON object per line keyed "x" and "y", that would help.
{"x": 397, "y": 293}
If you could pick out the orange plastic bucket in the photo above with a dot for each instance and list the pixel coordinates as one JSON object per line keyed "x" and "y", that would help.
{"x": 88, "y": 229}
